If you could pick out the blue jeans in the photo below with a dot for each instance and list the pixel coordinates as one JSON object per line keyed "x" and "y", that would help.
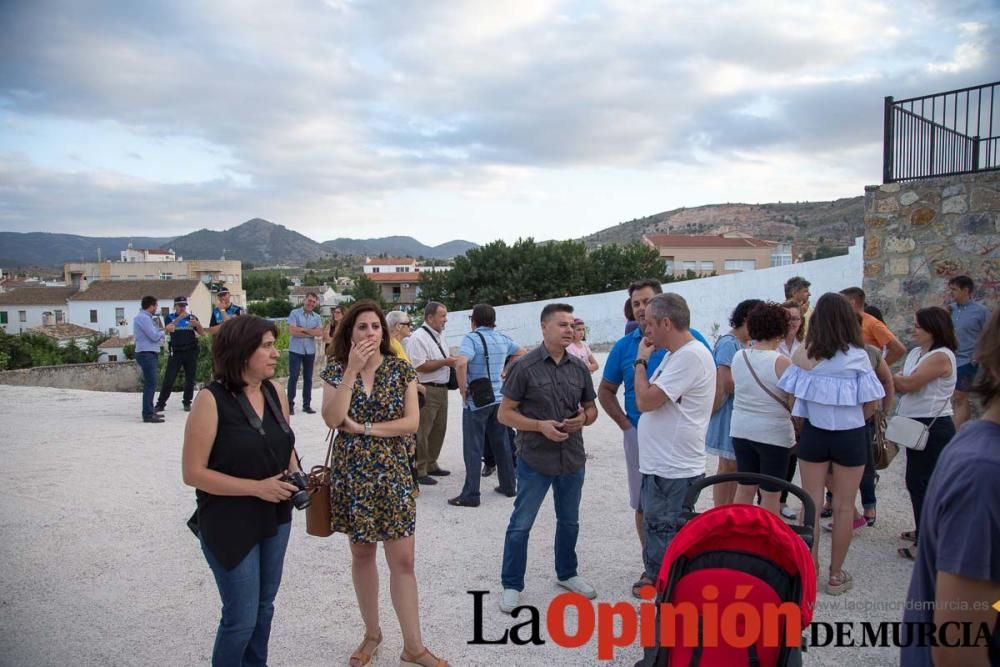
{"x": 662, "y": 500}
{"x": 149, "y": 363}
{"x": 247, "y": 593}
{"x": 305, "y": 362}
{"x": 481, "y": 430}
{"x": 531, "y": 489}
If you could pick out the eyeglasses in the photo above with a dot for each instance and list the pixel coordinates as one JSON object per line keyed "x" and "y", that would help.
{"x": 407, "y": 323}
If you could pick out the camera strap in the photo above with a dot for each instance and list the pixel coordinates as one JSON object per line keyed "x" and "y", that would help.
{"x": 255, "y": 422}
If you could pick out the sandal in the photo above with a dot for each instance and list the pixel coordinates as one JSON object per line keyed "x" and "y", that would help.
{"x": 405, "y": 660}
{"x": 826, "y": 512}
{"x": 909, "y": 553}
{"x": 638, "y": 586}
{"x": 909, "y": 536}
{"x": 839, "y": 584}
{"x": 362, "y": 656}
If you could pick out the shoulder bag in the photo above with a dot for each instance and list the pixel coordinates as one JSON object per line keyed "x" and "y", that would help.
{"x": 452, "y": 376}
{"x": 910, "y": 433}
{"x": 319, "y": 513}
{"x": 796, "y": 425}
{"x": 481, "y": 389}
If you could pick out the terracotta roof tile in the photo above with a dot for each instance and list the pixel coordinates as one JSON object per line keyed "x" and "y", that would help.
{"x": 36, "y": 296}
{"x": 695, "y": 241}
{"x": 413, "y": 277}
{"x": 134, "y": 290}
{"x": 65, "y": 331}
{"x": 390, "y": 261}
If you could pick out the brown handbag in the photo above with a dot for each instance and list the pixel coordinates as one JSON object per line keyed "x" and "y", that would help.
{"x": 883, "y": 450}
{"x": 319, "y": 514}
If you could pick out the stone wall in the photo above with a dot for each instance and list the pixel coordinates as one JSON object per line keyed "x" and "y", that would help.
{"x": 918, "y": 235}
{"x": 109, "y": 376}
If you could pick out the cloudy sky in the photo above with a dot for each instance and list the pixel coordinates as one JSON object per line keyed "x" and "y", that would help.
{"x": 454, "y": 119}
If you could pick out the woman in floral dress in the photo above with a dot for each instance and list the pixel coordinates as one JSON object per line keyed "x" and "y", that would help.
{"x": 371, "y": 399}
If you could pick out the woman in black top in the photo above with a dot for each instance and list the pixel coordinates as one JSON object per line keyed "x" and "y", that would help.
{"x": 237, "y": 447}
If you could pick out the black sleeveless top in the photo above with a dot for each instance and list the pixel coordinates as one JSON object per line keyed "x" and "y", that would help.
{"x": 231, "y": 525}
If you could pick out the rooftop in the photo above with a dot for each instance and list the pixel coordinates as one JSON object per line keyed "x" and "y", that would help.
{"x": 406, "y": 277}
{"x": 116, "y": 341}
{"x": 390, "y": 261}
{"x": 36, "y": 296}
{"x": 134, "y": 290}
{"x": 695, "y": 241}
{"x": 65, "y": 331}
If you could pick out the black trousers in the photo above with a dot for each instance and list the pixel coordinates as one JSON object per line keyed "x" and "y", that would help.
{"x": 920, "y": 465}
{"x": 186, "y": 359}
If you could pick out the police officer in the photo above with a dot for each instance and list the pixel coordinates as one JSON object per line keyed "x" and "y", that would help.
{"x": 183, "y": 353}
{"x": 225, "y": 310}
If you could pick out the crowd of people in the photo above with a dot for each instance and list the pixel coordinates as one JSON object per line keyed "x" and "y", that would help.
{"x": 790, "y": 385}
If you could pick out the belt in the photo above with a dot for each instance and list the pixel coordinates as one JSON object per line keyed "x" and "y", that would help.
{"x": 188, "y": 348}
{"x": 443, "y": 385}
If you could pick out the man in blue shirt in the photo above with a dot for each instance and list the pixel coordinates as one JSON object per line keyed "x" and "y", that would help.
{"x": 969, "y": 319}
{"x": 304, "y": 327}
{"x": 225, "y": 310}
{"x": 618, "y": 369}
{"x": 183, "y": 353}
{"x": 487, "y": 351}
{"x": 148, "y": 338}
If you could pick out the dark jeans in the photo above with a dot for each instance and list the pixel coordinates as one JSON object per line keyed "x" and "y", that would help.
{"x": 186, "y": 359}
{"x": 662, "y": 500}
{"x": 488, "y": 458}
{"x": 867, "y": 487}
{"x": 531, "y": 489}
{"x": 149, "y": 363}
{"x": 247, "y": 593}
{"x": 481, "y": 430}
{"x": 920, "y": 465}
{"x": 305, "y": 362}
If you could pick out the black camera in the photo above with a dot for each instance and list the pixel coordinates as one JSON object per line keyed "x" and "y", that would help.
{"x": 300, "y": 498}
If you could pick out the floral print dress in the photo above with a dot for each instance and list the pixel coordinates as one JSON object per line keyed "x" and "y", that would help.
{"x": 371, "y": 489}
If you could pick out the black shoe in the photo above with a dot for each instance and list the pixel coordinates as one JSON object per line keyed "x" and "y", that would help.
{"x": 187, "y": 407}
{"x": 155, "y": 419}
{"x": 459, "y": 501}
{"x": 502, "y": 492}
{"x": 488, "y": 470}
{"x": 440, "y": 472}
{"x": 159, "y": 409}
{"x": 308, "y": 411}
{"x": 426, "y": 481}
{"x": 291, "y": 409}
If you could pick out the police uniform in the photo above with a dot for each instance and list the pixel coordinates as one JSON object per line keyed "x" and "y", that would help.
{"x": 183, "y": 354}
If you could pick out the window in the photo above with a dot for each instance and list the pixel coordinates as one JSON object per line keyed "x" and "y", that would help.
{"x": 396, "y": 293}
{"x": 119, "y": 314}
{"x": 166, "y": 276}
{"x": 668, "y": 265}
{"x": 707, "y": 267}
{"x": 3, "y": 317}
{"x": 401, "y": 269}
{"x": 22, "y": 316}
{"x": 112, "y": 357}
{"x": 741, "y": 264}
{"x": 93, "y": 316}
{"x": 690, "y": 266}
{"x": 60, "y": 318}
{"x": 374, "y": 269}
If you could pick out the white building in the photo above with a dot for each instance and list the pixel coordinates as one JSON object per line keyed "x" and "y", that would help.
{"x": 110, "y": 305}
{"x": 113, "y": 349}
{"x": 28, "y": 307}
{"x": 398, "y": 265}
{"x": 131, "y": 254}
{"x": 65, "y": 333}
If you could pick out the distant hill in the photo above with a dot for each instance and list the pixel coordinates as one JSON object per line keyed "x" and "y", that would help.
{"x": 398, "y": 246}
{"x": 258, "y": 241}
{"x": 44, "y": 249}
{"x": 807, "y": 224}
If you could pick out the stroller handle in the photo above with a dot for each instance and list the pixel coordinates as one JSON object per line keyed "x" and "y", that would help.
{"x": 809, "y": 507}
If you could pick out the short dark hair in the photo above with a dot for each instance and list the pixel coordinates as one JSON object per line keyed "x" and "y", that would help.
{"x": 800, "y": 334}
{"x": 148, "y": 301}
{"x": 345, "y": 330}
{"x": 629, "y": 314}
{"x": 233, "y": 345}
{"x": 484, "y": 315}
{"x": 551, "y": 309}
{"x": 739, "y": 314}
{"x": 313, "y": 295}
{"x": 936, "y": 321}
{"x": 794, "y": 284}
{"x": 833, "y": 327}
{"x": 431, "y": 308}
{"x": 962, "y": 282}
{"x": 987, "y": 384}
{"x": 875, "y": 312}
{"x": 767, "y": 321}
{"x": 643, "y": 284}
{"x": 855, "y": 294}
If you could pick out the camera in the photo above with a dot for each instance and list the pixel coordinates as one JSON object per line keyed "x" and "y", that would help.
{"x": 300, "y": 498}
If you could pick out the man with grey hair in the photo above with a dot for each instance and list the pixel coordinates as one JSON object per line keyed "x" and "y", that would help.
{"x": 435, "y": 369}
{"x": 797, "y": 289}
{"x": 676, "y": 404}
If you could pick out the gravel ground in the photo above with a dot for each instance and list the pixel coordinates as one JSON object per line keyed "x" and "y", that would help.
{"x": 100, "y": 569}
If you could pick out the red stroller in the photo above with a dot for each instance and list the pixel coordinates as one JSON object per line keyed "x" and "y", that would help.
{"x": 735, "y": 553}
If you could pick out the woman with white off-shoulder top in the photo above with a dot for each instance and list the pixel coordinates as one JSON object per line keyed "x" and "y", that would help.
{"x": 835, "y": 389}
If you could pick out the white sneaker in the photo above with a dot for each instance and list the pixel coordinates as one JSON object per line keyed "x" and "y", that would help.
{"x": 789, "y": 513}
{"x": 509, "y": 599}
{"x": 579, "y": 585}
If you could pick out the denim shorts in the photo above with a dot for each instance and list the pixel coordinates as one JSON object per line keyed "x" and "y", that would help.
{"x": 966, "y": 376}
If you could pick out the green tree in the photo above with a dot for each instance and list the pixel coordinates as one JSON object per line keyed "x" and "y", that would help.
{"x": 261, "y": 285}
{"x": 271, "y": 308}
{"x": 366, "y": 288}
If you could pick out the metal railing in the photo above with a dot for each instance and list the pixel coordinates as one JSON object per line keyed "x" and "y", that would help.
{"x": 942, "y": 134}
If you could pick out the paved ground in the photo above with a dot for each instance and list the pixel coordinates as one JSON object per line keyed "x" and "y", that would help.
{"x": 99, "y": 568}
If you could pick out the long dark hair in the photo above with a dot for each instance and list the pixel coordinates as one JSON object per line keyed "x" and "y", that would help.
{"x": 233, "y": 345}
{"x": 833, "y": 327}
{"x": 936, "y": 321}
{"x": 342, "y": 336}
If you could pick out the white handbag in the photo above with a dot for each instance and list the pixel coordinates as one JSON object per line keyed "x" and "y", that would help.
{"x": 910, "y": 433}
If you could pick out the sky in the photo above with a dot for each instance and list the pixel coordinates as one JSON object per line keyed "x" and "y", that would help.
{"x": 454, "y": 119}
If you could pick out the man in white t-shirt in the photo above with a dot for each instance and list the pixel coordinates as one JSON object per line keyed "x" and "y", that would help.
{"x": 676, "y": 404}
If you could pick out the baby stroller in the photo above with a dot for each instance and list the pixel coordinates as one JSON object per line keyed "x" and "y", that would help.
{"x": 735, "y": 553}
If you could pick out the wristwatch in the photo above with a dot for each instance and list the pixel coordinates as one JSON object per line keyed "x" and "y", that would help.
{"x": 368, "y": 428}
{"x": 641, "y": 362}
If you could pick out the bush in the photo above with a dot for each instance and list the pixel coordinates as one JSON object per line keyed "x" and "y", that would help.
{"x": 31, "y": 349}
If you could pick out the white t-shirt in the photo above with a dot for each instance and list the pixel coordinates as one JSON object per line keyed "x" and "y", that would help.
{"x": 672, "y": 437}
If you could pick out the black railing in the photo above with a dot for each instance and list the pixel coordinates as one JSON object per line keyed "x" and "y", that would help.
{"x": 942, "y": 134}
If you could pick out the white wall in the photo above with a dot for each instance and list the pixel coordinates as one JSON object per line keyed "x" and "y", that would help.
{"x": 32, "y": 314}
{"x": 711, "y": 300}
{"x": 79, "y": 313}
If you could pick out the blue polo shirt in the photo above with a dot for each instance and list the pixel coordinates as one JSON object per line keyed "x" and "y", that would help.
{"x": 618, "y": 369}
